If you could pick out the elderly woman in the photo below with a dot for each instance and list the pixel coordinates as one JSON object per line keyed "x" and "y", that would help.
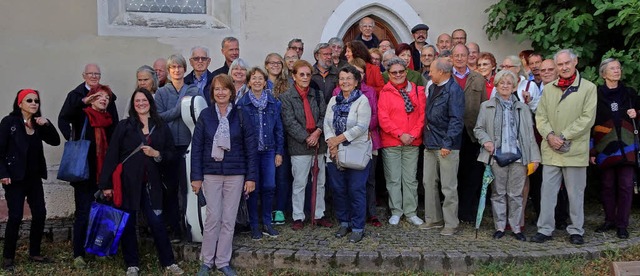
{"x": 403, "y": 51}
{"x": 303, "y": 111}
{"x": 368, "y": 92}
{"x": 487, "y": 68}
{"x": 505, "y": 128}
{"x": 264, "y": 113}
{"x": 147, "y": 141}
{"x": 238, "y": 72}
{"x": 401, "y": 108}
{"x": 22, "y": 169}
{"x": 357, "y": 49}
{"x": 613, "y": 146}
{"x": 347, "y": 123}
{"x": 168, "y": 99}
{"x": 277, "y": 80}
{"x": 99, "y": 125}
{"x": 224, "y": 162}
{"x": 527, "y": 91}
{"x": 147, "y": 78}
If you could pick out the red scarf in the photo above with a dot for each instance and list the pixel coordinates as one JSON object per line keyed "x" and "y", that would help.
{"x": 99, "y": 121}
{"x": 563, "y": 83}
{"x": 308, "y": 115}
{"x": 400, "y": 86}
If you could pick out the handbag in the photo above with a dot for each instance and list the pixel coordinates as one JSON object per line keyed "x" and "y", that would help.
{"x": 106, "y": 225}
{"x": 355, "y": 156}
{"x": 74, "y": 165}
{"x": 116, "y": 178}
{"x": 506, "y": 158}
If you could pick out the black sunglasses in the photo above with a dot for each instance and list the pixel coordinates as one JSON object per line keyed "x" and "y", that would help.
{"x": 32, "y": 100}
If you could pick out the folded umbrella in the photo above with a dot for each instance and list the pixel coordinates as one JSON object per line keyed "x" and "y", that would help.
{"x": 487, "y": 178}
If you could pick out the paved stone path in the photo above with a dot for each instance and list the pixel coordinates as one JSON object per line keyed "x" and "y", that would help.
{"x": 405, "y": 247}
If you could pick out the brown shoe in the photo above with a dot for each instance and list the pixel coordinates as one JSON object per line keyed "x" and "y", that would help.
{"x": 297, "y": 225}
{"x": 324, "y": 222}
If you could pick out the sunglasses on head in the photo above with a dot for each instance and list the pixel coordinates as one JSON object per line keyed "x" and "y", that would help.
{"x": 32, "y": 100}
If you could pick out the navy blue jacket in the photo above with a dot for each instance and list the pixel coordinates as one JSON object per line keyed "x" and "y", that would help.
{"x": 240, "y": 160}
{"x": 272, "y": 122}
{"x": 444, "y": 113}
{"x": 190, "y": 79}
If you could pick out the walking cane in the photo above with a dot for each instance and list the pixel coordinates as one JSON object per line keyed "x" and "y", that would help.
{"x": 314, "y": 185}
{"x": 636, "y": 143}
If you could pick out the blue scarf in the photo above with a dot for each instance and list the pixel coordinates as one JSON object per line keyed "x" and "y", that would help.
{"x": 341, "y": 111}
{"x": 260, "y": 104}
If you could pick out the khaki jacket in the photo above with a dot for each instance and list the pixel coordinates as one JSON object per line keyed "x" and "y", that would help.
{"x": 474, "y": 94}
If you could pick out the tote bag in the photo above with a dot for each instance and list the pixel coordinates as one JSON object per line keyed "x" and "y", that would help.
{"x": 74, "y": 165}
{"x": 106, "y": 225}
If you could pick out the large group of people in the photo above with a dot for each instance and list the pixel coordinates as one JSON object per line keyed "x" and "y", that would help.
{"x": 535, "y": 122}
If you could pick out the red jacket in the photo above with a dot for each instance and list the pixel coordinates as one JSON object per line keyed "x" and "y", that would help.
{"x": 373, "y": 78}
{"x": 394, "y": 120}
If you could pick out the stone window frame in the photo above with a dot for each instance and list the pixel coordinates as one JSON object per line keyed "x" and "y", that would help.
{"x": 115, "y": 20}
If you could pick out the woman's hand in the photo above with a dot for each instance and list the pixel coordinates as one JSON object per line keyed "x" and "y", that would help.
{"x": 536, "y": 165}
{"x": 89, "y": 99}
{"x": 333, "y": 152}
{"x": 278, "y": 160}
{"x": 632, "y": 113}
{"x": 592, "y": 160}
{"x": 41, "y": 121}
{"x": 488, "y": 146}
{"x": 312, "y": 140}
{"x": 406, "y": 139}
{"x": 249, "y": 186}
{"x": 149, "y": 151}
{"x": 5, "y": 181}
{"x": 196, "y": 185}
{"x": 335, "y": 141}
{"x": 107, "y": 193}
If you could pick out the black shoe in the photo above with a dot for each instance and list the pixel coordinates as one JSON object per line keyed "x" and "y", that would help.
{"x": 356, "y": 236}
{"x": 576, "y": 239}
{"x": 622, "y": 233}
{"x": 540, "y": 238}
{"x": 605, "y": 227}
{"x": 8, "y": 265}
{"x": 520, "y": 236}
{"x": 176, "y": 237}
{"x": 40, "y": 259}
{"x": 342, "y": 232}
{"x": 498, "y": 234}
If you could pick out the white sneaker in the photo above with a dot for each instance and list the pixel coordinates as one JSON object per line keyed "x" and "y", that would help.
{"x": 415, "y": 220}
{"x": 132, "y": 271}
{"x": 174, "y": 269}
{"x": 394, "y": 220}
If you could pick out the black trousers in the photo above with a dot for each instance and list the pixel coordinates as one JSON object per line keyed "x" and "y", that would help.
{"x": 83, "y": 194}
{"x": 469, "y": 179}
{"x": 174, "y": 201}
{"x": 15, "y": 193}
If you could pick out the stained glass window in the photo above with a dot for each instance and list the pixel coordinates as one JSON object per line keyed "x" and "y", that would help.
{"x": 167, "y": 6}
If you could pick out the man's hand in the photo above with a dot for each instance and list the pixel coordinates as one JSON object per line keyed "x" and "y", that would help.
{"x": 554, "y": 141}
{"x": 444, "y": 152}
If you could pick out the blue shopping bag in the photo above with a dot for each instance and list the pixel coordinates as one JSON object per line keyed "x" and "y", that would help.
{"x": 74, "y": 165}
{"x": 106, "y": 225}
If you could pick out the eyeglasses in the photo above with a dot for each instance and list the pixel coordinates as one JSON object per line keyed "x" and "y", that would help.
{"x": 366, "y": 26}
{"x": 397, "y": 73}
{"x": 32, "y": 100}
{"x": 296, "y": 48}
{"x": 175, "y": 67}
{"x": 304, "y": 75}
{"x": 200, "y": 59}
{"x": 274, "y": 63}
{"x": 92, "y": 74}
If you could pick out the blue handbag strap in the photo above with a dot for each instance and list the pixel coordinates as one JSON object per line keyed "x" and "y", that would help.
{"x": 84, "y": 128}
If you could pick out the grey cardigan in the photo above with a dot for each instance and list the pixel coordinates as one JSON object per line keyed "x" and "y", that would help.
{"x": 484, "y": 131}
{"x": 294, "y": 121}
{"x": 170, "y": 111}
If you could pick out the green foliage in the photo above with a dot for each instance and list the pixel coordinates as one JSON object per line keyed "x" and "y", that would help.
{"x": 594, "y": 29}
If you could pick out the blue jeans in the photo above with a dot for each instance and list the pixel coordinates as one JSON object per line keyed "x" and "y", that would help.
{"x": 265, "y": 188}
{"x": 349, "y": 195}
{"x": 283, "y": 183}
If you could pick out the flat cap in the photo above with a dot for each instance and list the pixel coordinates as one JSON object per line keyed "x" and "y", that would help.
{"x": 419, "y": 27}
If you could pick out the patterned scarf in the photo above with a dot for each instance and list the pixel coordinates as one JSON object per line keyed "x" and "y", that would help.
{"x": 506, "y": 118}
{"x": 99, "y": 120}
{"x": 341, "y": 111}
{"x": 563, "y": 83}
{"x": 402, "y": 89}
{"x": 260, "y": 104}
{"x": 222, "y": 137}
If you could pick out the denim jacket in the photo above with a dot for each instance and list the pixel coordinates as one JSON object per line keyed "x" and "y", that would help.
{"x": 273, "y": 133}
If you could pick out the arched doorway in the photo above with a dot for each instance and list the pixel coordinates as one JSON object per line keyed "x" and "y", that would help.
{"x": 381, "y": 30}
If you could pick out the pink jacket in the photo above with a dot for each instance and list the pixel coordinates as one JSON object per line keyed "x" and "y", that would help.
{"x": 394, "y": 120}
{"x": 370, "y": 93}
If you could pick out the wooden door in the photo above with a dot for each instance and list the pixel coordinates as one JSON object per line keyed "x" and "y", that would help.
{"x": 381, "y": 30}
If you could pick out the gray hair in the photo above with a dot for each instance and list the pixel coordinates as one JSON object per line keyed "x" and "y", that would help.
{"x": 175, "y": 59}
{"x": 516, "y": 62}
{"x": 603, "y": 65}
{"x": 336, "y": 41}
{"x": 445, "y": 53}
{"x": 570, "y": 52}
{"x": 396, "y": 60}
{"x": 430, "y": 46}
{"x": 227, "y": 39}
{"x": 205, "y": 49}
{"x": 389, "y": 54}
{"x": 239, "y": 62}
{"x": 152, "y": 72}
{"x": 366, "y": 17}
{"x": 444, "y": 65}
{"x": 295, "y": 40}
{"x": 320, "y": 46}
{"x": 505, "y": 73}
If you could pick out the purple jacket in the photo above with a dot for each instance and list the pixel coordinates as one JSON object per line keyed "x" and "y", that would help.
{"x": 368, "y": 92}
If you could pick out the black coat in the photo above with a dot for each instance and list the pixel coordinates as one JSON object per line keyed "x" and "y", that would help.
{"x": 14, "y": 146}
{"x": 125, "y": 139}
{"x": 190, "y": 78}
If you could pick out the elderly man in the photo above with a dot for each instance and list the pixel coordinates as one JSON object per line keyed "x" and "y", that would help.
{"x": 297, "y": 45}
{"x": 427, "y": 56}
{"x": 367, "y": 36}
{"x": 324, "y": 77}
{"x": 458, "y": 36}
{"x": 564, "y": 117}
{"x": 200, "y": 76}
{"x": 548, "y": 71}
{"x": 442, "y": 135}
{"x": 231, "y": 51}
{"x": 444, "y": 42}
{"x": 72, "y": 118}
{"x": 472, "y": 60}
{"x": 337, "y": 44}
{"x": 470, "y": 178}
{"x": 385, "y": 45}
{"x": 160, "y": 65}
{"x": 420, "y": 33}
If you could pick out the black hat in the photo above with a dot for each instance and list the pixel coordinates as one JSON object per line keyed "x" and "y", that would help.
{"x": 419, "y": 27}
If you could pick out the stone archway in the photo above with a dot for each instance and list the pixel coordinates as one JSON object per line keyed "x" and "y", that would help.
{"x": 398, "y": 15}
